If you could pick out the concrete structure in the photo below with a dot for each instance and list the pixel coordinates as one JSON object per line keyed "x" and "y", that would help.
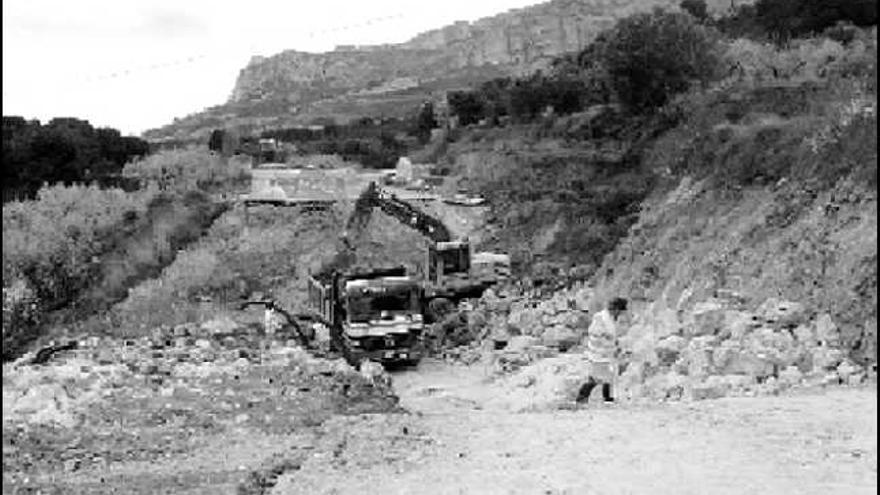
{"x": 409, "y": 171}
{"x": 280, "y": 184}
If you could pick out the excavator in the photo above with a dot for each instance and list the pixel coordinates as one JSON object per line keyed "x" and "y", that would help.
{"x": 379, "y": 314}
{"x": 451, "y": 273}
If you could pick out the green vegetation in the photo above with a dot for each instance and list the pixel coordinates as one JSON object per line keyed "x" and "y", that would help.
{"x": 642, "y": 62}
{"x": 801, "y": 112}
{"x": 65, "y": 150}
{"x": 81, "y": 247}
{"x": 49, "y": 249}
{"x": 651, "y": 57}
{"x": 190, "y": 169}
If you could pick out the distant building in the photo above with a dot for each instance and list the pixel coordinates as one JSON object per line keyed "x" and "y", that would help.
{"x": 409, "y": 171}
{"x": 281, "y": 183}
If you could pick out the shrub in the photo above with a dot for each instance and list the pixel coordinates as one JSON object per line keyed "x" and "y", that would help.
{"x": 20, "y": 315}
{"x": 696, "y": 8}
{"x": 49, "y": 245}
{"x": 652, "y": 56}
{"x": 188, "y": 169}
{"x": 785, "y": 19}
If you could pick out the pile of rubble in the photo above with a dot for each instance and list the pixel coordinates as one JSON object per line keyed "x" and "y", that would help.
{"x": 60, "y": 390}
{"x": 718, "y": 349}
{"x": 715, "y": 349}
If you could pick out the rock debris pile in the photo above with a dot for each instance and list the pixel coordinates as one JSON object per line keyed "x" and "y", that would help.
{"x": 716, "y": 348}
{"x": 171, "y": 361}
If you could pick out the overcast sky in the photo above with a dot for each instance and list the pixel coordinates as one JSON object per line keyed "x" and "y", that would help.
{"x": 134, "y": 65}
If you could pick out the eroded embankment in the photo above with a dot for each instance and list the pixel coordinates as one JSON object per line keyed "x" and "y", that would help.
{"x": 135, "y": 251}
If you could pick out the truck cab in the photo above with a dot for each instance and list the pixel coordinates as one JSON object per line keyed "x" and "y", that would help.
{"x": 373, "y": 316}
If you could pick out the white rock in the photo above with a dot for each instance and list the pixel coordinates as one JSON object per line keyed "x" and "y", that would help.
{"x": 781, "y": 313}
{"x": 826, "y": 331}
{"x": 847, "y": 368}
{"x": 560, "y": 337}
{"x": 791, "y": 376}
{"x": 220, "y": 325}
{"x": 670, "y": 348}
{"x": 521, "y": 343}
{"x": 706, "y": 318}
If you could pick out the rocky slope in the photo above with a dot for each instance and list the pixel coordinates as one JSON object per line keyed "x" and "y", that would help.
{"x": 351, "y": 81}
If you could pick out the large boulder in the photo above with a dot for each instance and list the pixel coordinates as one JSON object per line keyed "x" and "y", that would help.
{"x": 553, "y": 383}
{"x": 560, "y": 337}
{"x": 521, "y": 343}
{"x": 777, "y": 346}
{"x": 706, "y": 318}
{"x": 526, "y": 321}
{"x": 666, "y": 386}
{"x": 782, "y": 314}
{"x": 220, "y": 326}
{"x": 698, "y": 356}
{"x": 582, "y": 298}
{"x": 717, "y": 386}
{"x": 738, "y": 324}
{"x": 665, "y": 321}
{"x": 732, "y": 359}
{"x": 791, "y": 377}
{"x": 642, "y": 346}
{"x": 669, "y": 349}
{"x": 826, "y": 358}
{"x": 826, "y": 331}
{"x": 805, "y": 335}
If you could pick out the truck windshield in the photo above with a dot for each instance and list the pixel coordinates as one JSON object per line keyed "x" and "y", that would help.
{"x": 453, "y": 260}
{"x": 365, "y": 304}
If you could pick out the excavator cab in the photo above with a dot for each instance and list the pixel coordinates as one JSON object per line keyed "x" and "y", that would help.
{"x": 448, "y": 258}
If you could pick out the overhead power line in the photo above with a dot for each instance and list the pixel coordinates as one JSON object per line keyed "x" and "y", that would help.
{"x": 205, "y": 55}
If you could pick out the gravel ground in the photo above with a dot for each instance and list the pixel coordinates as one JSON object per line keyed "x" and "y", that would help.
{"x": 819, "y": 441}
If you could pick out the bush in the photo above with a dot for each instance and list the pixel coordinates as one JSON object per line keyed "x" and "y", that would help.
{"x": 65, "y": 150}
{"x": 653, "y": 56}
{"x": 20, "y": 316}
{"x": 49, "y": 250}
{"x": 785, "y": 19}
{"x": 50, "y": 241}
{"x": 696, "y": 8}
{"x": 188, "y": 169}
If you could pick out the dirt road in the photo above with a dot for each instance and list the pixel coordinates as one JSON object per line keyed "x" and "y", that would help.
{"x": 456, "y": 440}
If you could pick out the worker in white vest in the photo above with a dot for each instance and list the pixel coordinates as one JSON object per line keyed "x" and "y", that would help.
{"x": 603, "y": 348}
{"x": 273, "y": 321}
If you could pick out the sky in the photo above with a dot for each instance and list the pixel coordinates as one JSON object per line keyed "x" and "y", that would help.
{"x": 136, "y": 64}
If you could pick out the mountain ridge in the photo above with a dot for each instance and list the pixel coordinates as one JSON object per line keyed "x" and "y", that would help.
{"x": 296, "y": 87}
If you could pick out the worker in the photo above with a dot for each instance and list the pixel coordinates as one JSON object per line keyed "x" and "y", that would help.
{"x": 272, "y": 319}
{"x": 603, "y": 348}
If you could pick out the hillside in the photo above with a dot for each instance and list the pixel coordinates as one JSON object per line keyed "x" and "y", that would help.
{"x": 295, "y": 87}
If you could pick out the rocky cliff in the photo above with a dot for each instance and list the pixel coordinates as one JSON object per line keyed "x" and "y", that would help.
{"x": 518, "y": 40}
{"x": 352, "y": 81}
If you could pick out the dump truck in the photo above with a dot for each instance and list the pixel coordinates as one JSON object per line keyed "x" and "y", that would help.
{"x": 371, "y": 315}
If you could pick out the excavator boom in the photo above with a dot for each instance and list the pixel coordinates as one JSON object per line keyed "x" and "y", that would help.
{"x": 373, "y": 197}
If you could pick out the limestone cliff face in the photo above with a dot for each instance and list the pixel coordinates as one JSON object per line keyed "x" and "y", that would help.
{"x": 353, "y": 81}
{"x": 516, "y": 41}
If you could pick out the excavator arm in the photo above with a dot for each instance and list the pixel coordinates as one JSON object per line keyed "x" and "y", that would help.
{"x": 412, "y": 217}
{"x": 373, "y": 197}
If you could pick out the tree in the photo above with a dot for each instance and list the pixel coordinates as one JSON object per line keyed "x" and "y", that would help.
{"x": 215, "y": 142}
{"x": 64, "y": 150}
{"x": 696, "y": 8}
{"x": 784, "y": 19}
{"x": 467, "y": 106}
{"x": 652, "y": 56}
{"x": 425, "y": 121}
